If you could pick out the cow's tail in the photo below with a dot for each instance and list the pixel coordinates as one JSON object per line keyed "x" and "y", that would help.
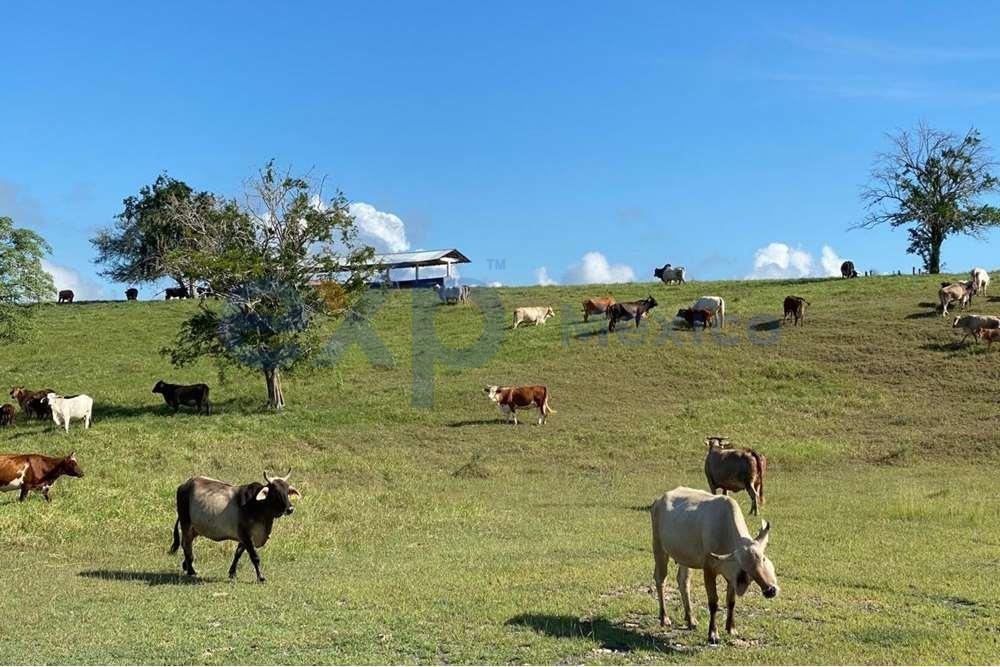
{"x": 177, "y": 537}
{"x": 761, "y": 469}
{"x": 722, "y": 313}
{"x": 546, "y": 408}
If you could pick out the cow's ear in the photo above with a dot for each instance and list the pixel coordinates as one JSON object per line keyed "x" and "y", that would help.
{"x": 292, "y": 491}
{"x": 262, "y": 494}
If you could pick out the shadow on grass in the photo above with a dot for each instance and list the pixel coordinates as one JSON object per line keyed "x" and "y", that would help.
{"x": 148, "y": 578}
{"x": 953, "y": 346}
{"x": 475, "y": 422}
{"x": 111, "y": 411}
{"x": 769, "y": 325}
{"x": 590, "y": 334}
{"x": 609, "y": 635}
{"x": 924, "y": 315}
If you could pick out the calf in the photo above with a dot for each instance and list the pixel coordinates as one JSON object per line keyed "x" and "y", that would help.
{"x": 131, "y": 294}
{"x": 971, "y": 323}
{"x": 176, "y": 395}
{"x": 220, "y": 511}
{"x": 509, "y": 399}
{"x": 735, "y": 470}
{"x": 32, "y": 401}
{"x": 34, "y": 472}
{"x": 961, "y": 292}
{"x": 692, "y": 316}
{"x": 66, "y": 408}
{"x": 599, "y": 305}
{"x": 6, "y": 415}
{"x": 629, "y": 310}
{"x": 66, "y": 296}
{"x": 987, "y": 335}
{"x": 705, "y": 532}
{"x": 795, "y": 306}
{"x": 533, "y": 314}
{"x": 176, "y": 293}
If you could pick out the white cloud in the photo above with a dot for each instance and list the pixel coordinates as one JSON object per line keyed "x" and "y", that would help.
{"x": 494, "y": 283}
{"x": 542, "y": 277}
{"x": 780, "y": 260}
{"x": 595, "y": 268}
{"x": 383, "y": 231}
{"x": 831, "y": 261}
{"x": 66, "y": 278}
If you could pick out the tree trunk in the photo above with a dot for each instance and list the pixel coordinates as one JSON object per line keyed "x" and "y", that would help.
{"x": 275, "y": 396}
{"x": 934, "y": 252}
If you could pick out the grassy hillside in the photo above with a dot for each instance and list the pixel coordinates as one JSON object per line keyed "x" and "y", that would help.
{"x": 440, "y": 534}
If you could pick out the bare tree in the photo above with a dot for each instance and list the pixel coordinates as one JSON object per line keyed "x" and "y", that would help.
{"x": 931, "y": 181}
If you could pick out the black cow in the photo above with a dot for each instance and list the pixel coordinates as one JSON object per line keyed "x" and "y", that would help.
{"x": 696, "y": 316}
{"x": 131, "y": 294}
{"x": 176, "y": 293}
{"x": 629, "y": 310}
{"x": 847, "y": 270}
{"x": 795, "y": 306}
{"x": 66, "y": 296}
{"x": 221, "y": 511}
{"x": 176, "y": 395}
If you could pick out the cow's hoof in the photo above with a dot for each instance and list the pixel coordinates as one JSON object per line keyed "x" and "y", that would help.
{"x": 713, "y": 640}
{"x": 261, "y": 580}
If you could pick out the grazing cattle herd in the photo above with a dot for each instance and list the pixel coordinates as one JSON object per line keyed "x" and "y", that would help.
{"x": 696, "y": 529}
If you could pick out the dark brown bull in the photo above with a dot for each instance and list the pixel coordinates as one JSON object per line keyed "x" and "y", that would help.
{"x": 629, "y": 310}
{"x": 795, "y": 306}
{"x": 735, "y": 470}
{"x": 695, "y": 316}
{"x": 32, "y": 401}
{"x": 6, "y": 414}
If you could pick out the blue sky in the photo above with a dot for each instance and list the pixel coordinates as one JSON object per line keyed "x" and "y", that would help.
{"x": 547, "y": 135}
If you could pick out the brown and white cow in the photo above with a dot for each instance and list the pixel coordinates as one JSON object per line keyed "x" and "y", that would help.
{"x": 705, "y": 532}
{"x": 35, "y": 472}
{"x": 599, "y": 305}
{"x": 509, "y": 399}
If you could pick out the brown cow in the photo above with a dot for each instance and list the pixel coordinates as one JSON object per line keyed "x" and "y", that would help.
{"x": 988, "y": 335}
{"x": 735, "y": 470}
{"x": 34, "y": 472}
{"x": 6, "y": 414}
{"x": 32, "y": 401}
{"x": 508, "y": 399}
{"x": 600, "y": 305}
{"x": 695, "y": 315}
{"x": 795, "y": 306}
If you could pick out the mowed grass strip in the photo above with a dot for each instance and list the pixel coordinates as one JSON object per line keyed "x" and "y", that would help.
{"x": 441, "y": 534}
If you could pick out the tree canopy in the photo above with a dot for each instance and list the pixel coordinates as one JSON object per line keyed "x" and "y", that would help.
{"x": 134, "y": 249}
{"x": 932, "y": 182}
{"x": 264, "y": 256}
{"x": 22, "y": 278}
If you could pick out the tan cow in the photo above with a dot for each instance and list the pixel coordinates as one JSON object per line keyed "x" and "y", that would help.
{"x": 532, "y": 314}
{"x": 705, "y": 532}
{"x": 735, "y": 470}
{"x": 600, "y": 305}
{"x": 961, "y": 292}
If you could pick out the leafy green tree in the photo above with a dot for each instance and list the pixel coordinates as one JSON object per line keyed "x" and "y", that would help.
{"x": 932, "y": 182}
{"x": 284, "y": 263}
{"x": 22, "y": 278}
{"x": 135, "y": 248}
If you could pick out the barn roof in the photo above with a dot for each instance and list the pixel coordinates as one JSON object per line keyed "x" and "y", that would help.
{"x": 407, "y": 260}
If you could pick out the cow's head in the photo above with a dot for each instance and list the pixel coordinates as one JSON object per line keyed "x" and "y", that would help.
{"x": 492, "y": 392}
{"x": 658, "y": 273}
{"x": 69, "y": 466}
{"x": 749, "y": 563}
{"x": 549, "y": 313}
{"x": 717, "y": 441}
{"x": 683, "y": 312}
{"x": 276, "y": 495}
{"x": 49, "y": 398}
{"x": 158, "y": 389}
{"x": 15, "y": 392}
{"x": 650, "y": 301}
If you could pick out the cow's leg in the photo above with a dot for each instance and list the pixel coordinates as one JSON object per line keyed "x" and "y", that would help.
{"x": 254, "y": 558}
{"x": 236, "y": 559}
{"x": 513, "y": 415}
{"x": 660, "y": 562}
{"x": 541, "y": 413}
{"x": 45, "y": 492}
{"x": 24, "y": 493}
{"x": 684, "y": 586}
{"x": 586, "y": 314}
{"x": 713, "y": 606}
{"x": 752, "y": 492}
{"x": 730, "y": 608}
{"x": 187, "y": 540}
{"x": 86, "y": 423}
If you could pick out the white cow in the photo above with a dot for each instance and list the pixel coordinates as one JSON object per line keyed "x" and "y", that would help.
{"x": 980, "y": 280}
{"x": 972, "y": 323}
{"x": 65, "y": 408}
{"x": 533, "y": 314}
{"x": 713, "y": 304}
{"x": 701, "y": 531}
{"x": 454, "y": 294}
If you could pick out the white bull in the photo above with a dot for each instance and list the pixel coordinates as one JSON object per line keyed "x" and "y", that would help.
{"x": 532, "y": 314}
{"x": 65, "y": 408}
{"x": 705, "y": 532}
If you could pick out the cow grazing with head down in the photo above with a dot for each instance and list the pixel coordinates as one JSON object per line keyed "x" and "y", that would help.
{"x": 705, "y": 532}
{"x": 950, "y": 292}
{"x": 847, "y": 270}
{"x": 176, "y": 395}
{"x": 599, "y": 305}
{"x": 32, "y": 401}
{"x": 669, "y": 274}
{"x": 131, "y": 294}
{"x": 629, "y": 310}
{"x": 735, "y": 470}
{"x": 66, "y": 296}
{"x": 34, "y": 472}
{"x": 692, "y": 317}
{"x": 795, "y": 307}
{"x": 509, "y": 399}
{"x": 715, "y": 305}
{"x": 220, "y": 511}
